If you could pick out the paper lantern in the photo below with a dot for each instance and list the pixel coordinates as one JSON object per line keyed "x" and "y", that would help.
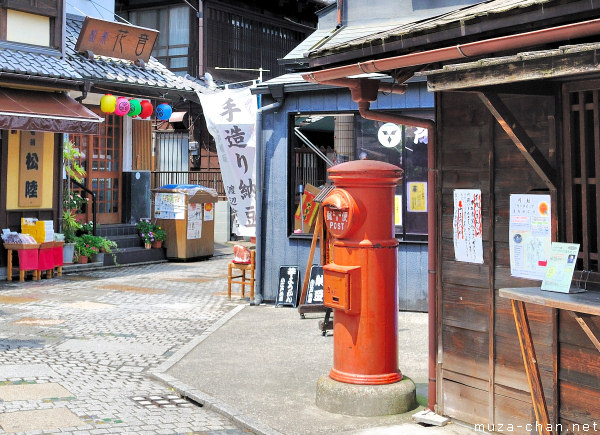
{"x": 135, "y": 108}
{"x": 163, "y": 112}
{"x": 122, "y": 106}
{"x": 147, "y": 109}
{"x": 108, "y": 103}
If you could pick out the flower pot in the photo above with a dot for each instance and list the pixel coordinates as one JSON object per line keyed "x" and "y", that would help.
{"x": 68, "y": 251}
{"x": 98, "y": 258}
{"x": 82, "y": 259}
{"x": 157, "y": 244}
{"x": 147, "y": 245}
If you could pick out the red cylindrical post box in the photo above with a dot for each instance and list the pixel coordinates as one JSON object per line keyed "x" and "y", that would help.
{"x": 360, "y": 283}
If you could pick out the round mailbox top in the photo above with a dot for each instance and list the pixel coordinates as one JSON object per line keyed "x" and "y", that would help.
{"x": 366, "y": 168}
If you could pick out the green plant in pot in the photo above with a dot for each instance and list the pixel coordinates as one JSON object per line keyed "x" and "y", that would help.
{"x": 71, "y": 201}
{"x": 83, "y": 249}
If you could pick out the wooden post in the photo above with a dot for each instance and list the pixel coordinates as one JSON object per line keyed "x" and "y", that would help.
{"x": 311, "y": 255}
{"x": 531, "y": 367}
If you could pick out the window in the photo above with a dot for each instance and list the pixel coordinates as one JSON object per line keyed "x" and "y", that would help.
{"x": 42, "y": 22}
{"x": 340, "y": 137}
{"x": 173, "y": 23}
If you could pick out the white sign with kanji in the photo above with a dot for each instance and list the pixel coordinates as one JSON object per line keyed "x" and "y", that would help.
{"x": 231, "y": 120}
{"x": 467, "y": 225}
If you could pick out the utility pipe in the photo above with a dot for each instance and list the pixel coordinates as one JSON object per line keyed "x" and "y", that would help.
{"x": 258, "y": 293}
{"x": 363, "y": 109}
{"x": 461, "y": 51}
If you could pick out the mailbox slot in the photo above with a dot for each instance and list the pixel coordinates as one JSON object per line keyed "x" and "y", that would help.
{"x": 342, "y": 287}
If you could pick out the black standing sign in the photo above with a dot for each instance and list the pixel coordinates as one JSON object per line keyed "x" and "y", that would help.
{"x": 314, "y": 294}
{"x": 289, "y": 283}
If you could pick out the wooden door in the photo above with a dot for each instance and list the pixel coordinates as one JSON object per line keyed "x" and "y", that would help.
{"x": 102, "y": 157}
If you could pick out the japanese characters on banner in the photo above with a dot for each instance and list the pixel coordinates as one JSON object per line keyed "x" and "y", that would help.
{"x": 194, "y": 223}
{"x": 231, "y": 120}
{"x": 31, "y": 172}
{"x": 468, "y": 237}
{"x": 529, "y": 235}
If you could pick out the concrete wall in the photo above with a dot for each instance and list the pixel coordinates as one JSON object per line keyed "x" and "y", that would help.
{"x": 222, "y": 217}
{"x": 279, "y": 247}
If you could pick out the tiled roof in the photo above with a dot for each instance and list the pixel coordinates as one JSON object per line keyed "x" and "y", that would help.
{"x": 100, "y": 70}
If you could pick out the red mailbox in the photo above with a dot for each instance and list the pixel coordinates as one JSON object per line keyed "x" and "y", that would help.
{"x": 360, "y": 283}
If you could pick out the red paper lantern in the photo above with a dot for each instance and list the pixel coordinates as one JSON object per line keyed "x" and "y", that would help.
{"x": 147, "y": 109}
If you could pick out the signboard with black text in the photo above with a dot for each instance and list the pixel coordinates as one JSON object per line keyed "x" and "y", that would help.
{"x": 289, "y": 284}
{"x": 314, "y": 293}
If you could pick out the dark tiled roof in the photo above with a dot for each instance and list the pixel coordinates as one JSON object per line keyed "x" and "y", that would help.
{"x": 100, "y": 70}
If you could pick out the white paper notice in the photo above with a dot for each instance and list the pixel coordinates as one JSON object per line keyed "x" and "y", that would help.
{"x": 169, "y": 206}
{"x": 529, "y": 235}
{"x": 194, "y": 224}
{"x": 209, "y": 211}
{"x": 468, "y": 238}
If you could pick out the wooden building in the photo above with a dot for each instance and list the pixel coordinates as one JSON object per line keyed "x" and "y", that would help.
{"x": 517, "y": 112}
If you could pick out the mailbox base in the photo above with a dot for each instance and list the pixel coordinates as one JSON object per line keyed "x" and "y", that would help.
{"x": 366, "y": 400}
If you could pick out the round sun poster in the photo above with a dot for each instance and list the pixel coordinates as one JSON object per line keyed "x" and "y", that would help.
{"x": 209, "y": 211}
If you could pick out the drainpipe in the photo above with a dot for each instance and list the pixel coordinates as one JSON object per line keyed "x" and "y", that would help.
{"x": 461, "y": 51}
{"x": 340, "y": 14}
{"x": 363, "y": 109}
{"x": 260, "y": 154}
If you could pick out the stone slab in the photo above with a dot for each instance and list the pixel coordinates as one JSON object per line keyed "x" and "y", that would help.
{"x": 9, "y": 393}
{"x": 87, "y": 305}
{"x": 43, "y": 419}
{"x": 26, "y": 371}
{"x": 107, "y": 346}
{"x": 39, "y": 322}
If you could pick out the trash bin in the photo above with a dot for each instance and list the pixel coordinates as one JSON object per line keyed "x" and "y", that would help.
{"x": 187, "y": 213}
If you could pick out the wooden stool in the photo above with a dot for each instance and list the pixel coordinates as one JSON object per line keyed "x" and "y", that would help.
{"x": 243, "y": 267}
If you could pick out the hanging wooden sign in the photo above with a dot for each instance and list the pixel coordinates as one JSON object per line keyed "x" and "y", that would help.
{"x": 107, "y": 38}
{"x": 31, "y": 169}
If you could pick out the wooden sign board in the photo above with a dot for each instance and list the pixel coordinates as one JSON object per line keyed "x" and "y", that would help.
{"x": 314, "y": 294}
{"x": 107, "y": 38}
{"x": 31, "y": 169}
{"x": 289, "y": 284}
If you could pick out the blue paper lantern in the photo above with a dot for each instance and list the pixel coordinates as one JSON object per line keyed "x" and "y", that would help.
{"x": 163, "y": 112}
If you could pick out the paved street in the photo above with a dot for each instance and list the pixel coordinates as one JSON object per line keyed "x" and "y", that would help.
{"x": 75, "y": 351}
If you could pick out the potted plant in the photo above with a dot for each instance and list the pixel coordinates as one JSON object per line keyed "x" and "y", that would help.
{"x": 147, "y": 238}
{"x": 71, "y": 201}
{"x": 159, "y": 237}
{"x": 144, "y": 226}
{"x": 84, "y": 251}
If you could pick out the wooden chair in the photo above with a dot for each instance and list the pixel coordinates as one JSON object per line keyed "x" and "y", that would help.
{"x": 243, "y": 267}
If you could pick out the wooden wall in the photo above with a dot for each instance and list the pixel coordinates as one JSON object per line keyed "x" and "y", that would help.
{"x": 481, "y": 379}
{"x": 279, "y": 248}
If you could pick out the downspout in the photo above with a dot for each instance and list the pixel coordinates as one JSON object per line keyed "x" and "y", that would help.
{"x": 363, "y": 109}
{"x": 260, "y": 153}
{"x": 460, "y": 51}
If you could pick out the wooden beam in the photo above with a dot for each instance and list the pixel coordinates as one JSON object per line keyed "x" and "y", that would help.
{"x": 582, "y": 319}
{"x": 520, "y": 138}
{"x": 531, "y": 367}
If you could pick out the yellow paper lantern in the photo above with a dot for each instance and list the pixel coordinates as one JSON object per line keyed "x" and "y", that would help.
{"x": 108, "y": 103}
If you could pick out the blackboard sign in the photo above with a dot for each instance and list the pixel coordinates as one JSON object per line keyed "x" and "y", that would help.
{"x": 314, "y": 294}
{"x": 289, "y": 283}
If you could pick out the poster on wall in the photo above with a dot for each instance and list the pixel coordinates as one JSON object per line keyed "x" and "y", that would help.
{"x": 417, "y": 196}
{"x": 561, "y": 265}
{"x": 398, "y": 210}
{"x": 194, "y": 224}
{"x": 169, "y": 206}
{"x": 468, "y": 237}
{"x": 529, "y": 235}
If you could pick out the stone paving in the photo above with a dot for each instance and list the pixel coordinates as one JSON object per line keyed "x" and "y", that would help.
{"x": 75, "y": 351}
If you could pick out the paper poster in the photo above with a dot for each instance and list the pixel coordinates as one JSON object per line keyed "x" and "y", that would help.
{"x": 397, "y": 210}
{"x": 169, "y": 206}
{"x": 561, "y": 264}
{"x": 529, "y": 235}
{"x": 230, "y": 118}
{"x": 194, "y": 224}
{"x": 209, "y": 211}
{"x": 468, "y": 237}
{"x": 417, "y": 196}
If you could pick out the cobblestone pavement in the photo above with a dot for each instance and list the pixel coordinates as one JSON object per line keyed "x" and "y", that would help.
{"x": 75, "y": 351}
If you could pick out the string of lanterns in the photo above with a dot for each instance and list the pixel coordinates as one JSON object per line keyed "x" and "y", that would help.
{"x": 133, "y": 107}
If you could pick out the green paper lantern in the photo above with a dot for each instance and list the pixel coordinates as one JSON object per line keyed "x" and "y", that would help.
{"x": 135, "y": 108}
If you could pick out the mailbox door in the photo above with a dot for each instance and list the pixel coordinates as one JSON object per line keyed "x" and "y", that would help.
{"x": 341, "y": 285}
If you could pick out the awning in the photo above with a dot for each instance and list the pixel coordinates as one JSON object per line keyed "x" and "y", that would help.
{"x": 45, "y": 111}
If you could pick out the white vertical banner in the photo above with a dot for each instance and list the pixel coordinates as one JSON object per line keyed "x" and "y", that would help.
{"x": 231, "y": 120}
{"x": 467, "y": 224}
